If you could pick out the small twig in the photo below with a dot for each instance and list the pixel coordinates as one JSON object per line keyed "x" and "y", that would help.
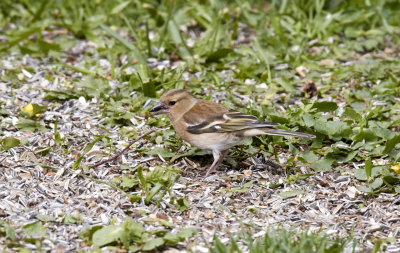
{"x": 120, "y": 153}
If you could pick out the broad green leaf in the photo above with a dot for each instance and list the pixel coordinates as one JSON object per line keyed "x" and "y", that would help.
{"x": 73, "y": 219}
{"x": 34, "y": 229}
{"x": 135, "y": 228}
{"x": 333, "y": 128}
{"x": 308, "y": 120}
{"x": 309, "y": 156}
{"x": 45, "y": 218}
{"x": 360, "y": 174}
{"x": 325, "y": 106}
{"x": 9, "y": 142}
{"x": 172, "y": 238}
{"x": 186, "y": 233}
{"x": 29, "y": 125}
{"x": 378, "y": 182}
{"x": 352, "y": 114}
{"x": 364, "y": 188}
{"x": 153, "y": 244}
{"x": 322, "y": 164}
{"x": 107, "y": 235}
{"x": 391, "y": 179}
{"x": 163, "y": 152}
{"x": 365, "y": 135}
{"x": 10, "y": 232}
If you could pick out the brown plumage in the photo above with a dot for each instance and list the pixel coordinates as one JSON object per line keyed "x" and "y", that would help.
{"x": 212, "y": 126}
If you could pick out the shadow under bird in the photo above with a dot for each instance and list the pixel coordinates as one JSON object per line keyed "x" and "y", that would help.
{"x": 211, "y": 126}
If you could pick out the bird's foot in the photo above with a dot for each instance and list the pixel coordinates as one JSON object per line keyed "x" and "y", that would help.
{"x": 210, "y": 171}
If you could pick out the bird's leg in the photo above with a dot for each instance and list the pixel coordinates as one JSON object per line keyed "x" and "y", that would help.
{"x": 218, "y": 158}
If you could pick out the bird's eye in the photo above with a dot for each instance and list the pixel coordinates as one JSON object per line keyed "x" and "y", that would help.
{"x": 171, "y": 103}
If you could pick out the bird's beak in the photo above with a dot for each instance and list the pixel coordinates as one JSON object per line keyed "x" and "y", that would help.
{"x": 159, "y": 108}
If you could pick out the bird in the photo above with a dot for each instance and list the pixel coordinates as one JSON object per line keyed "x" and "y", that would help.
{"x": 212, "y": 126}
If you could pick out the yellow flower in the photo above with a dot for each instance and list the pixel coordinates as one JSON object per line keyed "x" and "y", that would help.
{"x": 396, "y": 168}
{"x": 30, "y": 110}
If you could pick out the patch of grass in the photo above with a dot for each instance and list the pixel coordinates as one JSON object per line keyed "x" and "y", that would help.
{"x": 133, "y": 236}
{"x": 282, "y": 240}
{"x": 157, "y": 181}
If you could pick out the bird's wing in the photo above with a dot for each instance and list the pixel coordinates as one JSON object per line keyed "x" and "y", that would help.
{"x": 210, "y": 117}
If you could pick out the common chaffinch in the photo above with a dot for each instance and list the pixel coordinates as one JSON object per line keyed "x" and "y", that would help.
{"x": 211, "y": 126}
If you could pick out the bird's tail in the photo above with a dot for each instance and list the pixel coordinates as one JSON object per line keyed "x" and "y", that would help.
{"x": 274, "y": 131}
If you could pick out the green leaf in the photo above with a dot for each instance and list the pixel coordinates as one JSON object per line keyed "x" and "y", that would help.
{"x": 135, "y": 228}
{"x": 176, "y": 37}
{"x": 218, "y": 55}
{"x": 186, "y": 233}
{"x": 333, "y": 128}
{"x": 182, "y": 204}
{"x": 107, "y": 235}
{"x": 153, "y": 244}
{"x": 52, "y": 95}
{"x": 352, "y": 114}
{"x": 29, "y": 125}
{"x": 308, "y": 120}
{"x": 34, "y": 229}
{"x": 45, "y": 218}
{"x": 292, "y": 179}
{"x": 163, "y": 152}
{"x": 85, "y": 151}
{"x": 309, "y": 156}
{"x": 172, "y": 238}
{"x": 377, "y": 183}
{"x": 156, "y": 188}
{"x": 390, "y": 144}
{"x": 220, "y": 247}
{"x": 391, "y": 179}
{"x": 10, "y": 232}
{"x": 365, "y": 135}
{"x": 73, "y": 219}
{"x": 363, "y": 188}
{"x": 325, "y": 106}
{"x": 57, "y": 135}
{"x": 9, "y": 142}
{"x": 360, "y": 174}
{"x": 126, "y": 182}
{"x": 322, "y": 164}
{"x": 119, "y": 7}
{"x": 87, "y": 232}
{"x": 142, "y": 180}
{"x": 368, "y": 167}
{"x": 290, "y": 194}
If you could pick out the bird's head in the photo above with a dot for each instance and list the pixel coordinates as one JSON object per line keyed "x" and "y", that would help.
{"x": 173, "y": 101}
